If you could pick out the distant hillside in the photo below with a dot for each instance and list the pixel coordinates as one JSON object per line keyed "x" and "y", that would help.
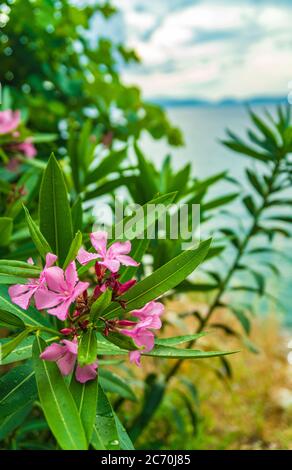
{"x": 191, "y": 102}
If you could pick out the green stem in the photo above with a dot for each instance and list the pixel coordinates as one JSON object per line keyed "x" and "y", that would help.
{"x": 44, "y": 328}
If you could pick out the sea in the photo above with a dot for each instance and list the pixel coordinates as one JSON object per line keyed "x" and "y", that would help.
{"x": 204, "y": 127}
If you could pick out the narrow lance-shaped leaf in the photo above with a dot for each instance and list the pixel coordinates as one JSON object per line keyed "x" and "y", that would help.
{"x": 85, "y": 397}
{"x": 18, "y": 268}
{"x": 31, "y": 316}
{"x": 105, "y": 435}
{"x": 37, "y": 237}
{"x": 162, "y": 280}
{"x": 124, "y": 439}
{"x": 100, "y": 304}
{"x": 175, "y": 340}
{"x": 169, "y": 352}
{"x": 73, "y": 250}
{"x": 17, "y": 389}
{"x": 57, "y": 402}
{"x": 87, "y": 348}
{"x": 11, "y": 422}
{"x": 7, "y": 348}
{"x": 54, "y": 210}
{"x": 23, "y": 350}
{"x": 113, "y": 383}
{"x": 7, "y": 319}
{"x": 6, "y": 224}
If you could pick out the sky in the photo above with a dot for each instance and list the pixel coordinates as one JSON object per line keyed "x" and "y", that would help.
{"x": 206, "y": 48}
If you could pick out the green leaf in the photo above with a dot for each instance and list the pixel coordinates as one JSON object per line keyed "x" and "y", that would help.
{"x": 174, "y": 341}
{"x": 220, "y": 201}
{"x": 187, "y": 286}
{"x": 124, "y": 342}
{"x": 7, "y": 348}
{"x": 264, "y": 129}
{"x": 125, "y": 441}
{"x": 30, "y": 316}
{"x": 57, "y": 402}
{"x": 249, "y": 204}
{"x": 18, "y": 268}
{"x": 242, "y": 318}
{"x": 255, "y": 181}
{"x": 100, "y": 304}
{"x": 240, "y": 147}
{"x": 37, "y": 237}
{"x": 77, "y": 215}
{"x": 73, "y": 250}
{"x": 54, "y": 210}
{"x": 7, "y": 319}
{"x": 17, "y": 389}
{"x": 111, "y": 382}
{"x": 6, "y": 224}
{"x": 162, "y": 280}
{"x": 11, "y": 422}
{"x": 105, "y": 348}
{"x": 147, "y": 184}
{"x": 168, "y": 352}
{"x": 85, "y": 397}
{"x": 87, "y": 348}
{"x": 109, "y": 164}
{"x": 8, "y": 280}
{"x": 23, "y": 350}
{"x": 105, "y": 435}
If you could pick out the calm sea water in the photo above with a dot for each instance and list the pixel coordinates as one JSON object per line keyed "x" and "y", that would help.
{"x": 203, "y": 127}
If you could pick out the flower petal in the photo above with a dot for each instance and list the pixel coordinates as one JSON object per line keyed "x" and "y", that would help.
{"x": 99, "y": 241}
{"x": 71, "y": 275}
{"x": 66, "y": 363}
{"x": 62, "y": 310}
{"x": 83, "y": 374}
{"x": 50, "y": 260}
{"x": 44, "y": 298}
{"x": 71, "y": 346}
{"x": 78, "y": 290}
{"x": 23, "y": 300}
{"x": 55, "y": 279}
{"x": 127, "y": 260}
{"x": 85, "y": 257}
{"x": 135, "y": 357}
{"x": 111, "y": 264}
{"x": 54, "y": 352}
{"x": 119, "y": 248}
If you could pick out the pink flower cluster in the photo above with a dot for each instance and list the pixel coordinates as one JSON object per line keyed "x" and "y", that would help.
{"x": 9, "y": 122}
{"x": 62, "y": 294}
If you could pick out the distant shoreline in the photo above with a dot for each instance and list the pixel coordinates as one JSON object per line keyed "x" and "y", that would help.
{"x": 194, "y": 102}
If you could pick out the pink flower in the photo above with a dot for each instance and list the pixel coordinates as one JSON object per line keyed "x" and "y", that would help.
{"x": 112, "y": 258}
{"x": 65, "y": 356}
{"x": 21, "y": 294}
{"x": 9, "y": 120}
{"x": 63, "y": 288}
{"x": 142, "y": 335}
{"x": 150, "y": 314}
{"x": 27, "y": 148}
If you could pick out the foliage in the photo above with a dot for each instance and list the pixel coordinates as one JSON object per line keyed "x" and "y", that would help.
{"x": 265, "y": 193}
{"x": 60, "y": 71}
{"x": 70, "y": 410}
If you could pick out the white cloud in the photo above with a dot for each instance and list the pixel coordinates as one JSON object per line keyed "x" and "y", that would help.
{"x": 207, "y": 48}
